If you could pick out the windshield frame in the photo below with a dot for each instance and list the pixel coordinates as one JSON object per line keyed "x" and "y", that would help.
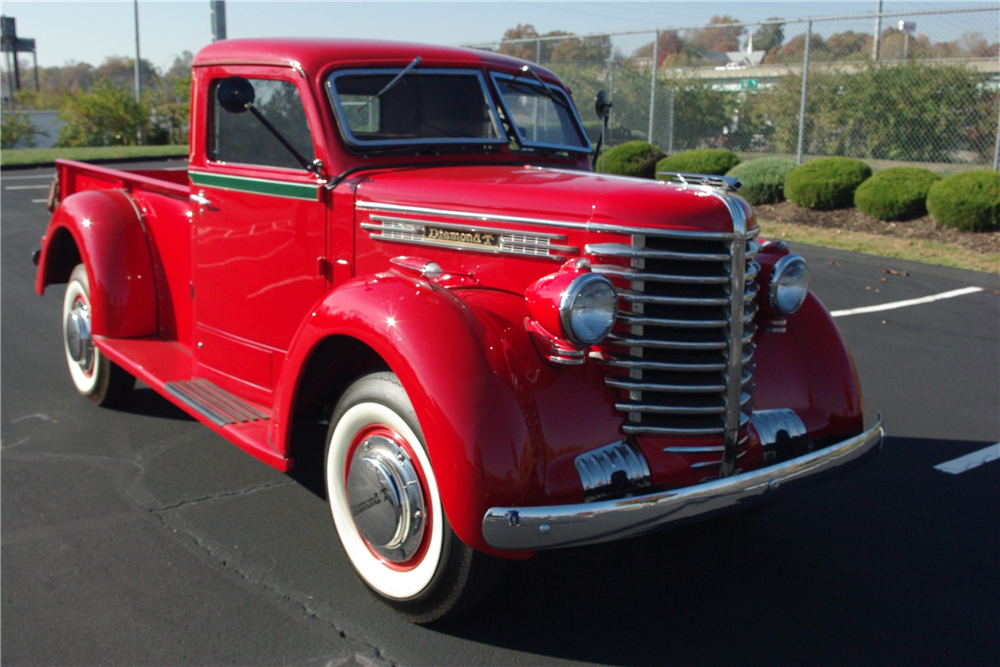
{"x": 349, "y": 138}
{"x": 556, "y": 90}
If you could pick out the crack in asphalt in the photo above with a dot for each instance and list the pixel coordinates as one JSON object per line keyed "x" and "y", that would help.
{"x": 222, "y": 494}
{"x": 312, "y": 608}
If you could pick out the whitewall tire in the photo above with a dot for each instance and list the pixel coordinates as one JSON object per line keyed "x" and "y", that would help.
{"x": 94, "y": 375}
{"x": 387, "y": 508}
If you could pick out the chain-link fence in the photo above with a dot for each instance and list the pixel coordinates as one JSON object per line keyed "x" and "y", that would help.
{"x": 921, "y": 87}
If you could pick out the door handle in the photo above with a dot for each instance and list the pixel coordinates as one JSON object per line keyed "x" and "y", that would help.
{"x": 200, "y": 199}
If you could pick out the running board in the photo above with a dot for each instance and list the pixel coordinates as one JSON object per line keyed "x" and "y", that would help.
{"x": 215, "y": 404}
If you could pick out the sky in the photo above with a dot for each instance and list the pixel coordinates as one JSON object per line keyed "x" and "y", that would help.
{"x": 86, "y": 31}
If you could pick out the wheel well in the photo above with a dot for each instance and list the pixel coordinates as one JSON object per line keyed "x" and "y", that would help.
{"x": 61, "y": 257}
{"x": 332, "y": 367}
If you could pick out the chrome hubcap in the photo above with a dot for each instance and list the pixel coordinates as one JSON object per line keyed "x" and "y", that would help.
{"x": 386, "y": 500}
{"x": 78, "y": 339}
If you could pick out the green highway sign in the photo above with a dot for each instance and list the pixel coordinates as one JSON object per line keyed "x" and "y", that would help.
{"x": 753, "y": 84}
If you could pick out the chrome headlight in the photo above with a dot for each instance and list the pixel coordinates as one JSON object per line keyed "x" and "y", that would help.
{"x": 789, "y": 284}
{"x": 588, "y": 309}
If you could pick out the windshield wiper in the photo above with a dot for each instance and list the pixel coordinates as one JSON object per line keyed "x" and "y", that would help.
{"x": 548, "y": 92}
{"x": 392, "y": 84}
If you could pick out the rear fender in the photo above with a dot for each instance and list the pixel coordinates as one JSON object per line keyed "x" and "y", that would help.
{"x": 454, "y": 374}
{"x": 104, "y": 230}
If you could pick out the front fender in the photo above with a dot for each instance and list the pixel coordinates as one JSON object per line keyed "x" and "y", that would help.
{"x": 106, "y": 229}
{"x": 804, "y": 364}
{"x": 453, "y": 372}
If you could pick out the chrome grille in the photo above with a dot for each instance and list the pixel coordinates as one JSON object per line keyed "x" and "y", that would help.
{"x": 682, "y": 353}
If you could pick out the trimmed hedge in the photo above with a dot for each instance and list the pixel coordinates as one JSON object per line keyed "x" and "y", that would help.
{"x": 826, "y": 183}
{"x": 899, "y": 193}
{"x": 763, "y": 179}
{"x": 634, "y": 158}
{"x": 715, "y": 161}
{"x": 969, "y": 201}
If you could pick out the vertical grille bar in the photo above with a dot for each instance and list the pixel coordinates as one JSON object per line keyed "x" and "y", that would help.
{"x": 734, "y": 388}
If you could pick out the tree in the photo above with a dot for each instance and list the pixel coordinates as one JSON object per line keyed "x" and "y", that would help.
{"x": 843, "y": 45}
{"x": 586, "y": 49}
{"x": 769, "y": 36}
{"x": 719, "y": 36}
{"x": 522, "y": 50}
{"x": 106, "y": 116}
{"x": 170, "y": 102}
{"x": 121, "y": 72}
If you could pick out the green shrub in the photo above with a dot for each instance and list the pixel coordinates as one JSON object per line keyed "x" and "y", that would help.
{"x": 634, "y": 158}
{"x": 826, "y": 183}
{"x": 969, "y": 201}
{"x": 763, "y": 179}
{"x": 17, "y": 128}
{"x": 701, "y": 161}
{"x": 899, "y": 193}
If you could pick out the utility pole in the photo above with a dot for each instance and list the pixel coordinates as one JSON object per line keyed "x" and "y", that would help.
{"x": 138, "y": 83}
{"x": 878, "y": 31}
{"x": 652, "y": 85}
{"x": 218, "y": 19}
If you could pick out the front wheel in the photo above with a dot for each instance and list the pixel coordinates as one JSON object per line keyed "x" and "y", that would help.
{"x": 94, "y": 375}
{"x": 387, "y": 508}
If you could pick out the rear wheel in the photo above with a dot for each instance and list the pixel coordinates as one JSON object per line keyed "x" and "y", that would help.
{"x": 387, "y": 508}
{"x": 94, "y": 375}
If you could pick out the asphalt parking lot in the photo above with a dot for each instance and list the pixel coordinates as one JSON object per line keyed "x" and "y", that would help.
{"x": 141, "y": 538}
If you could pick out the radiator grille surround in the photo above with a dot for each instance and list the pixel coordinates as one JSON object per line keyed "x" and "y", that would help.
{"x": 681, "y": 356}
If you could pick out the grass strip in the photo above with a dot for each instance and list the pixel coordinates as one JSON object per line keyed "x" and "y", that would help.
{"x": 917, "y": 250}
{"x": 19, "y": 156}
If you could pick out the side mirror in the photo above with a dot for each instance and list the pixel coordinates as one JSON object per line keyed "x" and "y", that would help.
{"x": 602, "y": 106}
{"x": 234, "y": 94}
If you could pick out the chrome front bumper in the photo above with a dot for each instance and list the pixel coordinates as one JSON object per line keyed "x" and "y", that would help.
{"x": 529, "y": 528}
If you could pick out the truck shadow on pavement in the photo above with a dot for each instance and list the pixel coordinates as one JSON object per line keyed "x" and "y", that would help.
{"x": 865, "y": 569}
{"x": 145, "y": 402}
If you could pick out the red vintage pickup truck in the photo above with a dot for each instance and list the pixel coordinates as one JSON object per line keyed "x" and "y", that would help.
{"x": 405, "y": 247}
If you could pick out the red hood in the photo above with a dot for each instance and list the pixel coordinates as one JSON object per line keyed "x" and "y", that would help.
{"x": 551, "y": 194}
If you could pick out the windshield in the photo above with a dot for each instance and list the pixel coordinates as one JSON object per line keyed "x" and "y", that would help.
{"x": 544, "y": 118}
{"x": 421, "y": 107}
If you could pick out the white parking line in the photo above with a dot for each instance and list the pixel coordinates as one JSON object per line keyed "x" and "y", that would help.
{"x": 909, "y": 302}
{"x": 25, "y": 178}
{"x": 27, "y": 187}
{"x": 39, "y": 201}
{"x": 970, "y": 461}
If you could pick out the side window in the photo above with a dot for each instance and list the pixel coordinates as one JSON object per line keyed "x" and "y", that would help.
{"x": 243, "y": 139}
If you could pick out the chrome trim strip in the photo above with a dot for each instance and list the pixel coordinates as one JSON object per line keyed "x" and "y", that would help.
{"x": 464, "y": 228}
{"x": 549, "y": 527}
{"x": 654, "y": 344}
{"x": 464, "y": 248}
{"x": 632, "y": 274}
{"x": 669, "y": 409}
{"x": 615, "y": 362}
{"x": 665, "y": 388}
{"x": 627, "y": 317}
{"x": 664, "y": 430}
{"x": 622, "y": 250}
{"x": 671, "y": 300}
{"x": 694, "y": 450}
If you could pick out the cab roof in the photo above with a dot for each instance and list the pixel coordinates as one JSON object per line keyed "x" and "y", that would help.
{"x": 314, "y": 55}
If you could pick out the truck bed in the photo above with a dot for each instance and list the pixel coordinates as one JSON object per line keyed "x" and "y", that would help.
{"x": 76, "y": 176}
